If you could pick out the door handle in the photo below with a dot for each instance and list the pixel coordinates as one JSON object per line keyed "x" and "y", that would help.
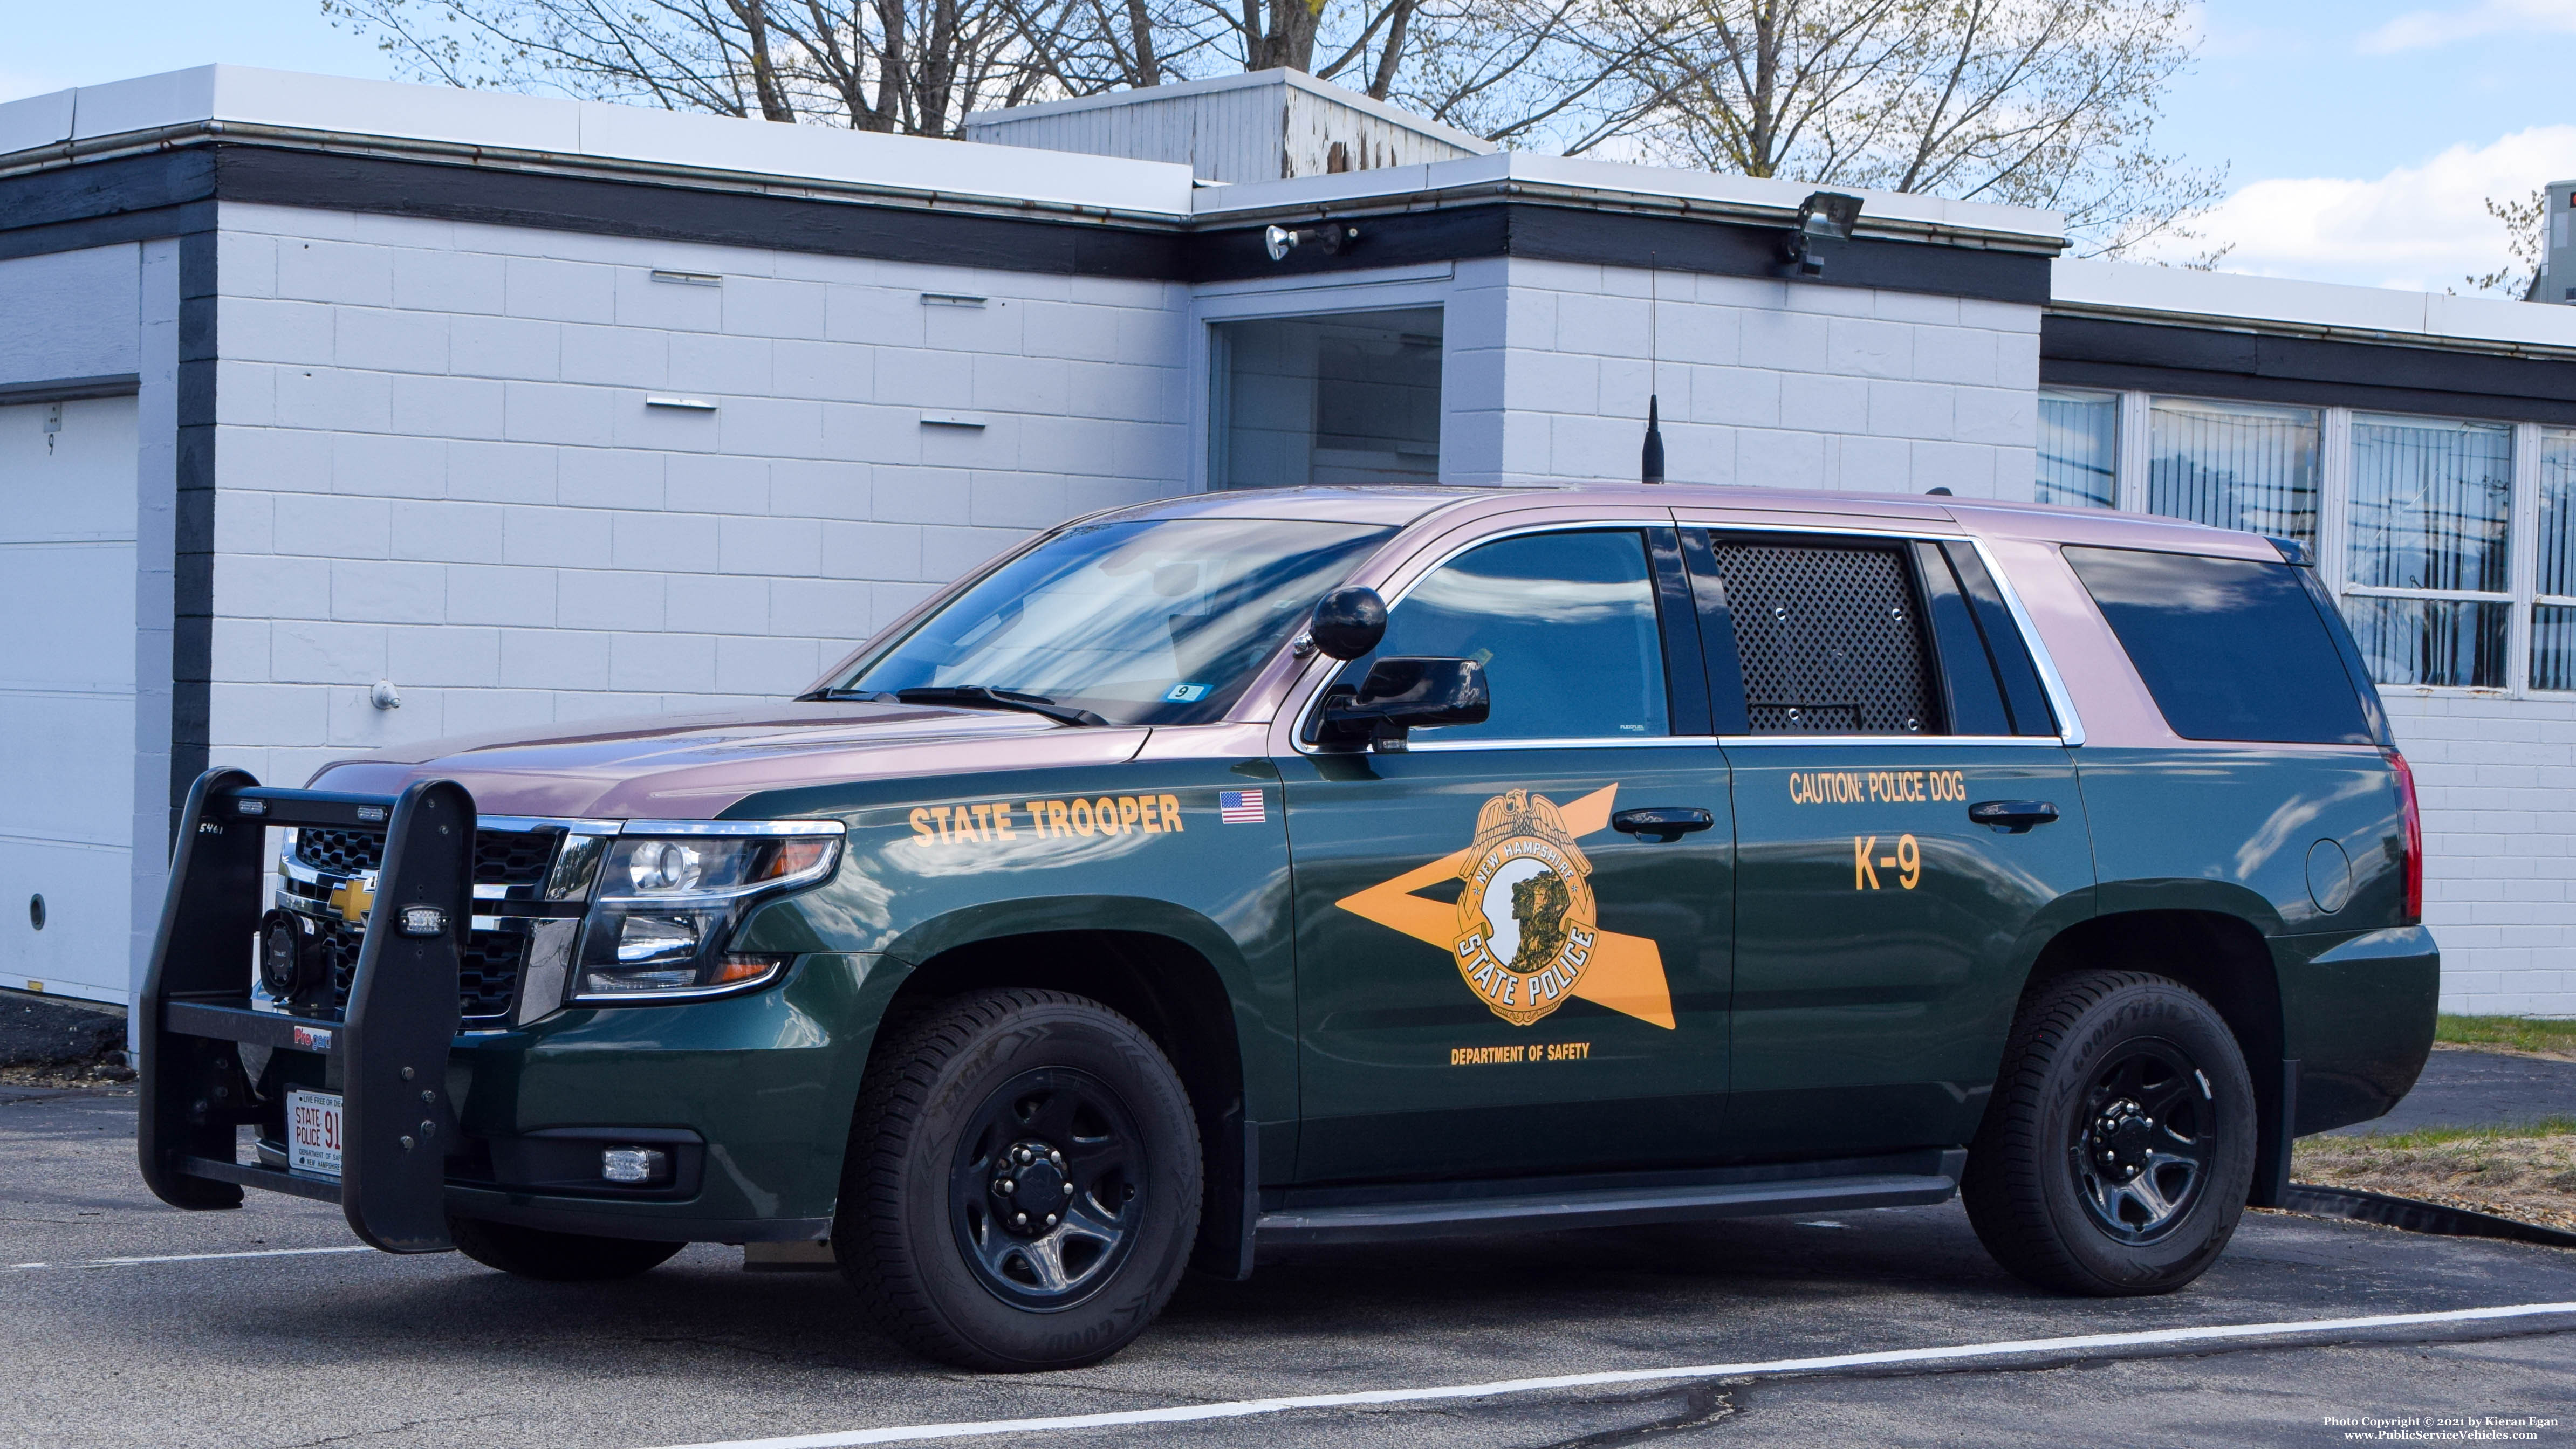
{"x": 2012, "y": 817}
{"x": 1666, "y": 823}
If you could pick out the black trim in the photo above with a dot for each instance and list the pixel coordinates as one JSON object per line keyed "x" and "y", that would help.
{"x": 192, "y": 542}
{"x": 2416, "y": 1217}
{"x": 1580, "y": 234}
{"x": 2098, "y": 352}
{"x": 95, "y": 203}
{"x": 71, "y": 389}
{"x": 1367, "y": 1215}
{"x": 626, "y": 1219}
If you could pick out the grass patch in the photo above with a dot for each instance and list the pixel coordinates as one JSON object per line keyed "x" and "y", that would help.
{"x": 2525, "y": 1171}
{"x": 2438, "y": 1136}
{"x": 2512, "y": 1033}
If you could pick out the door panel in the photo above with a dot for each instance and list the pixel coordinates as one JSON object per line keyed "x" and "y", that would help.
{"x": 1415, "y": 1069}
{"x": 1492, "y": 979}
{"x": 1882, "y": 937}
{"x": 1881, "y": 934}
{"x": 67, "y": 584}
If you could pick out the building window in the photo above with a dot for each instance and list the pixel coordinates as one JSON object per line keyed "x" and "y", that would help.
{"x": 1348, "y": 398}
{"x": 2553, "y": 609}
{"x": 2234, "y": 465}
{"x": 2079, "y": 448}
{"x": 2425, "y": 549}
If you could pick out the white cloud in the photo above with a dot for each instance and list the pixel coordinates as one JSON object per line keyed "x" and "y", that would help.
{"x": 2419, "y": 29}
{"x": 2419, "y": 227}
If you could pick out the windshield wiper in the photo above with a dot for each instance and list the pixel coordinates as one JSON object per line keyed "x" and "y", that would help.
{"x": 976, "y": 695}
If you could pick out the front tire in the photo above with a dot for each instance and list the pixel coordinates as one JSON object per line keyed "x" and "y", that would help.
{"x": 2116, "y": 1154}
{"x": 554, "y": 1257}
{"x": 1022, "y": 1185}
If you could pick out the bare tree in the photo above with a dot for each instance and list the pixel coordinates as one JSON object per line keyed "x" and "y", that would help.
{"x": 2045, "y": 103}
{"x": 2523, "y": 222}
{"x": 914, "y": 66}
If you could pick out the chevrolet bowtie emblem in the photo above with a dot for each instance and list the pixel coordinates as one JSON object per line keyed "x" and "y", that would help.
{"x": 354, "y": 897}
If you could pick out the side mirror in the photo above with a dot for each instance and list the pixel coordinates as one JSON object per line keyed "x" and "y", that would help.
{"x": 1402, "y": 694}
{"x": 1348, "y": 622}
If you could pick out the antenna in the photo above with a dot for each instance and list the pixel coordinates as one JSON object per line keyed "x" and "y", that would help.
{"x": 1652, "y": 462}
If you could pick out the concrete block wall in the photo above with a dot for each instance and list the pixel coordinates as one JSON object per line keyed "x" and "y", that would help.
{"x": 2496, "y": 781}
{"x": 1763, "y": 383}
{"x": 437, "y": 465}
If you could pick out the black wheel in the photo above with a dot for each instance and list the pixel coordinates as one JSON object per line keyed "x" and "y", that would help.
{"x": 552, "y": 1256}
{"x": 2115, "y": 1157}
{"x": 1023, "y": 1183}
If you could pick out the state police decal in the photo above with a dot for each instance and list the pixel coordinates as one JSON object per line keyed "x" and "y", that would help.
{"x": 1525, "y": 933}
{"x": 1526, "y": 919}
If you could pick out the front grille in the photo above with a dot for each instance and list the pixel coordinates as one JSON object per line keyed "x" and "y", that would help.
{"x": 341, "y": 852}
{"x": 487, "y": 975}
{"x": 501, "y": 857}
{"x": 488, "y": 967}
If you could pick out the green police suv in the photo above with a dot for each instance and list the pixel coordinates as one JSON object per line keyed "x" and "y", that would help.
{"x": 1326, "y": 865}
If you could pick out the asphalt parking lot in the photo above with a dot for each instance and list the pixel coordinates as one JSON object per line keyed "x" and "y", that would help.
{"x": 357, "y": 1348}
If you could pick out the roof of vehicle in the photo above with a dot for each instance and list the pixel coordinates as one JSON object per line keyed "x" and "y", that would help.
{"x": 1401, "y": 504}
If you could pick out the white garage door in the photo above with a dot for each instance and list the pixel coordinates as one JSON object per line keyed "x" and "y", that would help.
{"x": 67, "y": 515}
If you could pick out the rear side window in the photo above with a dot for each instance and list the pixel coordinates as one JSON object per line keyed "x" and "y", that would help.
{"x": 1830, "y": 637}
{"x": 2232, "y": 649}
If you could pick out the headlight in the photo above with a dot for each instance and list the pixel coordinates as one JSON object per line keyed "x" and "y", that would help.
{"x": 669, "y": 902}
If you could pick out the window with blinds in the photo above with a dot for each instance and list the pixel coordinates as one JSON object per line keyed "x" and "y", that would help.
{"x": 2234, "y": 465}
{"x": 2553, "y": 606}
{"x": 2079, "y": 448}
{"x": 2425, "y": 549}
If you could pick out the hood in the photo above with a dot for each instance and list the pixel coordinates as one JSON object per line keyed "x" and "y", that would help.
{"x": 693, "y": 766}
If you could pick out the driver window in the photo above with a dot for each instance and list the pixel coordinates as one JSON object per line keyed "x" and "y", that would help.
{"x": 1565, "y": 626}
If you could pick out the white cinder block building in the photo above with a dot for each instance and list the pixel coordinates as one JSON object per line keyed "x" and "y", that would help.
{"x": 315, "y": 394}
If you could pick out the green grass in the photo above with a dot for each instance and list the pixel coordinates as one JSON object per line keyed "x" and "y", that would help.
{"x": 2520, "y": 1033}
{"x": 2436, "y": 1136}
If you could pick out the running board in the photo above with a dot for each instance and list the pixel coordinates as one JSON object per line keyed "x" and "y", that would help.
{"x": 1570, "y": 1206}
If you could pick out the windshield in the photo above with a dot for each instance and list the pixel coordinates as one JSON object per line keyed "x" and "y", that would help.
{"x": 1154, "y": 622}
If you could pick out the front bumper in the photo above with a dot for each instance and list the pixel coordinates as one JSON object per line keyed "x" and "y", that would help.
{"x": 750, "y": 1095}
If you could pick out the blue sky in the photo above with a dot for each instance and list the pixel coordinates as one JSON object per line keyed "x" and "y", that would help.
{"x": 2360, "y": 135}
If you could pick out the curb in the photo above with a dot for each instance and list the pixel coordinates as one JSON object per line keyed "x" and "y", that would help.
{"x": 2417, "y": 1217}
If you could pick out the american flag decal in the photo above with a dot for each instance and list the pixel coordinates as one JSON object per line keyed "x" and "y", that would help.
{"x": 1239, "y": 807}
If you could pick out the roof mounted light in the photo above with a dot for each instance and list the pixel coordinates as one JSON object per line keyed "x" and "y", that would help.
{"x": 1829, "y": 215}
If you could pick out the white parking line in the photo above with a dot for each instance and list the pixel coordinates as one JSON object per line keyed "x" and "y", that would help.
{"x": 191, "y": 1258}
{"x": 1244, "y": 1408}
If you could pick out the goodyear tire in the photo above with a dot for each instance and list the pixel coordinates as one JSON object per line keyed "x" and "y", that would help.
{"x": 555, "y": 1257}
{"x": 2116, "y": 1153}
{"x": 1022, "y": 1184}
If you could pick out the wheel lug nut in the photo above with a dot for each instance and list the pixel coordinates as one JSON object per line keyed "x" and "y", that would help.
{"x": 1019, "y": 1220}
{"x": 1022, "y": 1154}
{"x": 1050, "y": 1220}
{"x": 1005, "y": 1187}
{"x": 1068, "y": 1189}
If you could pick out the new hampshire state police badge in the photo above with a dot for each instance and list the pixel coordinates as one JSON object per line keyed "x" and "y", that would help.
{"x": 1525, "y": 932}
{"x": 1526, "y": 919}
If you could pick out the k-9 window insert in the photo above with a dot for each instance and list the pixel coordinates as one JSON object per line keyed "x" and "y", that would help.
{"x": 1821, "y": 634}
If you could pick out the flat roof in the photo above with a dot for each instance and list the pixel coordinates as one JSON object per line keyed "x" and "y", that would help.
{"x": 2134, "y": 292}
{"x": 494, "y": 127}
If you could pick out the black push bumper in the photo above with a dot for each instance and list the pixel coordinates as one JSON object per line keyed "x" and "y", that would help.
{"x": 386, "y": 1054}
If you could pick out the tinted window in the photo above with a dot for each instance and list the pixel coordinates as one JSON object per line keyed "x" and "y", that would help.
{"x": 1829, "y": 638}
{"x": 2232, "y": 649}
{"x": 1564, "y": 624}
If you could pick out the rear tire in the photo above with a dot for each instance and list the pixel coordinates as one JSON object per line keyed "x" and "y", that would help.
{"x": 1022, "y": 1187}
{"x": 554, "y": 1257}
{"x": 2116, "y": 1154}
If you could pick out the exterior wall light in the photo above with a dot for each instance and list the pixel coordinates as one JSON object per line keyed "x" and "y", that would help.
{"x": 1328, "y": 238}
{"x": 1827, "y": 214}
